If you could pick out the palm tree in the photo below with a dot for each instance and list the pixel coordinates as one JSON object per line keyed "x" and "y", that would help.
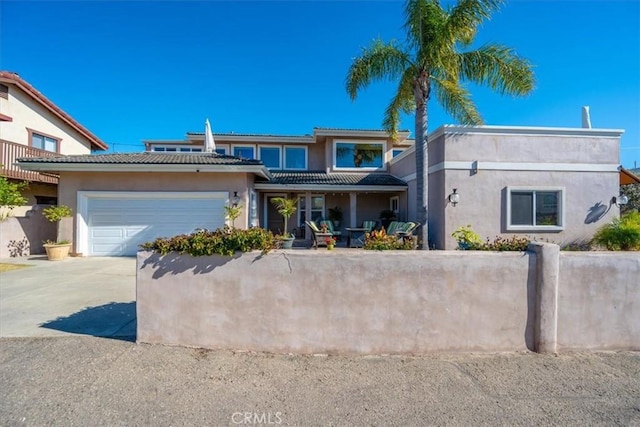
{"x": 430, "y": 61}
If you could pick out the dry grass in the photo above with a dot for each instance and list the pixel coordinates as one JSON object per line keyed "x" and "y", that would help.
{"x": 8, "y": 267}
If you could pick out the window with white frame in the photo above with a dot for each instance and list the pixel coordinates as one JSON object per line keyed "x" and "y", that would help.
{"x": 295, "y": 157}
{"x": 396, "y": 152}
{"x": 244, "y": 151}
{"x": 535, "y": 208}
{"x": 270, "y": 156}
{"x": 317, "y": 209}
{"x": 356, "y": 155}
{"x": 166, "y": 149}
{"x": 44, "y": 142}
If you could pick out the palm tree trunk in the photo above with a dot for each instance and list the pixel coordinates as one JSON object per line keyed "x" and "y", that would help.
{"x": 421, "y": 95}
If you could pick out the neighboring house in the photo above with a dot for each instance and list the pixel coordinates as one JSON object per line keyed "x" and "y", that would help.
{"x": 550, "y": 183}
{"x": 629, "y": 176}
{"x": 33, "y": 126}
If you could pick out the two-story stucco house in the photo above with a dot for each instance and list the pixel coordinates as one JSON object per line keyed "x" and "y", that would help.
{"x": 551, "y": 183}
{"x": 33, "y": 126}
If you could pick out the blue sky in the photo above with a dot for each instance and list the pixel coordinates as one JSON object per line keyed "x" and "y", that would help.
{"x": 155, "y": 70}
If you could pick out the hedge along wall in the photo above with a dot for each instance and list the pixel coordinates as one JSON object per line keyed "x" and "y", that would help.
{"x": 357, "y": 302}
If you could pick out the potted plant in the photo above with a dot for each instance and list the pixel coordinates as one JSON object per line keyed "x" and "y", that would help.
{"x": 58, "y": 249}
{"x": 331, "y": 243}
{"x": 386, "y": 216}
{"x": 286, "y": 208}
{"x": 466, "y": 237}
{"x": 335, "y": 216}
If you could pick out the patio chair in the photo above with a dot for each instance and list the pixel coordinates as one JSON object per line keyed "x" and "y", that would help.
{"x": 394, "y": 227}
{"x": 319, "y": 238}
{"x": 329, "y": 224}
{"x": 369, "y": 225}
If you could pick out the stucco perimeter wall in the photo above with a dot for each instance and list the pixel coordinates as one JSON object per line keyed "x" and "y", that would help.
{"x": 339, "y": 302}
{"x": 599, "y": 301}
{"x": 24, "y": 235}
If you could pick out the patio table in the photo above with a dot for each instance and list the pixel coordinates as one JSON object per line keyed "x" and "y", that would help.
{"x": 355, "y": 237}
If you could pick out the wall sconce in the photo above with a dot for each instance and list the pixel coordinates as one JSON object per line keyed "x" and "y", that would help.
{"x": 235, "y": 199}
{"x": 454, "y": 198}
{"x": 620, "y": 200}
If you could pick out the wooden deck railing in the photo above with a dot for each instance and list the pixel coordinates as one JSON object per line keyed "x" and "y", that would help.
{"x": 10, "y": 151}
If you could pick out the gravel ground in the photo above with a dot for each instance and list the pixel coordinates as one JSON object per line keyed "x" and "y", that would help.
{"x": 86, "y": 381}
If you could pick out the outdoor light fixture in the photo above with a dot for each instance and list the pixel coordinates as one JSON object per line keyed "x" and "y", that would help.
{"x": 620, "y": 200}
{"x": 235, "y": 199}
{"x": 454, "y": 197}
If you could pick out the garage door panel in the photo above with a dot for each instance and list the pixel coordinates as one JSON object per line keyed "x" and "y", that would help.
{"x": 107, "y": 232}
{"x": 118, "y": 225}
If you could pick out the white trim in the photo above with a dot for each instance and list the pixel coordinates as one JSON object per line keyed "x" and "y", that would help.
{"x": 284, "y": 157}
{"x": 329, "y": 188}
{"x": 335, "y": 167}
{"x": 256, "y": 139}
{"x": 277, "y": 147}
{"x": 525, "y": 166}
{"x": 341, "y": 133}
{"x": 525, "y": 131}
{"x": 82, "y": 211}
{"x": 536, "y": 228}
{"x": 177, "y": 147}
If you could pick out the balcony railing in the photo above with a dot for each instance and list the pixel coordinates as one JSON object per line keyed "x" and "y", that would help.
{"x": 10, "y": 151}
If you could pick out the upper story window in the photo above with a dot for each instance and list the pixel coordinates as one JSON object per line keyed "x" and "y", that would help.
{"x": 271, "y": 157}
{"x": 44, "y": 142}
{"x": 295, "y": 157}
{"x": 355, "y": 155}
{"x": 244, "y": 151}
{"x": 535, "y": 209}
{"x": 177, "y": 149}
{"x": 396, "y": 152}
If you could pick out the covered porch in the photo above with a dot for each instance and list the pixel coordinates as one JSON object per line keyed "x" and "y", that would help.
{"x": 347, "y": 199}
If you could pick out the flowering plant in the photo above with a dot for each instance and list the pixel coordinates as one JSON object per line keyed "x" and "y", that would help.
{"x": 330, "y": 241}
{"x": 323, "y": 228}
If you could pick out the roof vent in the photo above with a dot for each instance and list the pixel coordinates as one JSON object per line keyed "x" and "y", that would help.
{"x": 586, "y": 118}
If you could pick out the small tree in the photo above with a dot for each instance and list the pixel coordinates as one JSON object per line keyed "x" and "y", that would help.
{"x": 11, "y": 196}
{"x": 233, "y": 212}
{"x": 286, "y": 208}
{"x": 55, "y": 214}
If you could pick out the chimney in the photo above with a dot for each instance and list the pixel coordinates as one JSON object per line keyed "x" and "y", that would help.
{"x": 586, "y": 119}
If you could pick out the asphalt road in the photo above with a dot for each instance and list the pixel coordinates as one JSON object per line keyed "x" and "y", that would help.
{"x": 88, "y": 381}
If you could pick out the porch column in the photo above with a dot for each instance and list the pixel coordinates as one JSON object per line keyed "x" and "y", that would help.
{"x": 307, "y": 215}
{"x": 353, "y": 207}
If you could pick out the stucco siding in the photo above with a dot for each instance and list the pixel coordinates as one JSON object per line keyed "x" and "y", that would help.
{"x": 530, "y": 148}
{"x": 26, "y": 113}
{"x": 72, "y": 182}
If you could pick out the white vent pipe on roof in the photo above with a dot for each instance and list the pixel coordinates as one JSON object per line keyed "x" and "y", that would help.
{"x": 586, "y": 118}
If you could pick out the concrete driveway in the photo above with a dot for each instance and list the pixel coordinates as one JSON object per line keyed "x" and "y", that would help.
{"x": 84, "y": 296}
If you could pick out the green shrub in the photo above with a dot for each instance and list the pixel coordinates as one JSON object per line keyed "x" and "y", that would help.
{"x": 381, "y": 241}
{"x": 501, "y": 244}
{"x": 622, "y": 234}
{"x": 466, "y": 237}
{"x": 223, "y": 241}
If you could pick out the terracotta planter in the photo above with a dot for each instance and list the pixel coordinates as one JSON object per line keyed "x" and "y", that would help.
{"x": 57, "y": 252}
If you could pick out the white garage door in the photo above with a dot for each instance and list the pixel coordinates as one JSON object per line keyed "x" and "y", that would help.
{"x": 117, "y": 224}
